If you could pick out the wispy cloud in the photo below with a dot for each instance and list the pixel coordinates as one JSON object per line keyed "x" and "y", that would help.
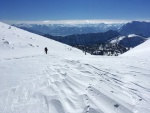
{"x": 106, "y": 21}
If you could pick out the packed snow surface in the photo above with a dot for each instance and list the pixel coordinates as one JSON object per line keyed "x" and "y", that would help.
{"x": 67, "y": 81}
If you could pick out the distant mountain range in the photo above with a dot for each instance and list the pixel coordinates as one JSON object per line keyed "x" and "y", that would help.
{"x": 136, "y": 27}
{"x": 92, "y": 36}
{"x": 67, "y": 29}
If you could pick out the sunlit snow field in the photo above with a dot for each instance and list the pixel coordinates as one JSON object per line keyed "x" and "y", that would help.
{"x": 68, "y": 81}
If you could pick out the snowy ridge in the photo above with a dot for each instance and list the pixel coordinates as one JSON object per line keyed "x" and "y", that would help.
{"x": 131, "y": 40}
{"x": 142, "y": 50}
{"x": 66, "y": 80}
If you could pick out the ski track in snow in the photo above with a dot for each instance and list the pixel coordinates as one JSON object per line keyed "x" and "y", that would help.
{"x": 66, "y": 80}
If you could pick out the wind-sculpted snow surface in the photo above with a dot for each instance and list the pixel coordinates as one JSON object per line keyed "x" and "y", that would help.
{"x": 67, "y": 81}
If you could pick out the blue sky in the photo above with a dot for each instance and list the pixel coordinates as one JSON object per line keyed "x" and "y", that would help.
{"x": 40, "y": 10}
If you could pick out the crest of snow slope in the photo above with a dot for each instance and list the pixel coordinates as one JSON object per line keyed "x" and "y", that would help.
{"x": 65, "y": 80}
{"x": 142, "y": 50}
{"x": 17, "y": 42}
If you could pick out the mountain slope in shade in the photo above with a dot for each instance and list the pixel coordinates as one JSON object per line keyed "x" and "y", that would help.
{"x": 85, "y": 39}
{"x": 136, "y": 27}
{"x": 131, "y": 40}
{"x": 65, "y": 80}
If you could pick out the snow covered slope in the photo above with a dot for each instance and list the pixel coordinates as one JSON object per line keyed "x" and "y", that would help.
{"x": 65, "y": 80}
{"x": 142, "y": 50}
{"x": 16, "y": 42}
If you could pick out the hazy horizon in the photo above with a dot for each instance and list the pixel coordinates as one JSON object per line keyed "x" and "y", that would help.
{"x": 105, "y": 21}
{"x": 74, "y": 11}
